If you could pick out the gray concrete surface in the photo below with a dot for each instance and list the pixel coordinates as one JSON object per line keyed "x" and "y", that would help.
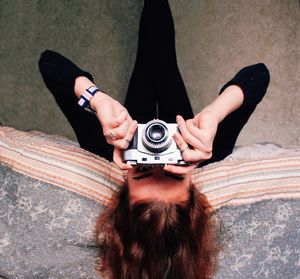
{"x": 214, "y": 39}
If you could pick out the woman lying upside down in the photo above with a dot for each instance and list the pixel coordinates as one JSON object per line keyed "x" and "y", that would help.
{"x": 158, "y": 225}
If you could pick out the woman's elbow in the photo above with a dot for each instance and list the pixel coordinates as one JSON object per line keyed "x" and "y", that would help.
{"x": 265, "y": 73}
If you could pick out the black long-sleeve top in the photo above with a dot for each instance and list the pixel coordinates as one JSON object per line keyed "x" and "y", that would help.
{"x": 253, "y": 79}
{"x": 59, "y": 74}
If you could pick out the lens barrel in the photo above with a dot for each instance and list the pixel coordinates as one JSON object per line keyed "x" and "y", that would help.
{"x": 155, "y": 136}
{"x": 156, "y": 133}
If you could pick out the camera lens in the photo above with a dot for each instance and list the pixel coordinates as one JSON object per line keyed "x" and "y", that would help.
{"x": 156, "y": 133}
{"x": 155, "y": 136}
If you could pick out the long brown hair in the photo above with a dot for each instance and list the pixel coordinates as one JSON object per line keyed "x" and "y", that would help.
{"x": 157, "y": 239}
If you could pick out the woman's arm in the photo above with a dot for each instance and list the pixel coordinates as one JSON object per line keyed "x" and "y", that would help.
{"x": 230, "y": 100}
{"x": 231, "y": 109}
{"x": 64, "y": 77}
{"x": 59, "y": 73}
{"x": 200, "y": 131}
{"x": 253, "y": 80}
{"x": 246, "y": 88}
{"x": 111, "y": 114}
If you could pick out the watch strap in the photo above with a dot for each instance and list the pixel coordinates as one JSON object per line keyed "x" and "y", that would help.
{"x": 87, "y": 95}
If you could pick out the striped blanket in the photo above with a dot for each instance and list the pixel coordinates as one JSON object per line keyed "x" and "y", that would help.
{"x": 52, "y": 191}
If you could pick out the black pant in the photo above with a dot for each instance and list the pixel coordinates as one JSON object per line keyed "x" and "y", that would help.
{"x": 155, "y": 85}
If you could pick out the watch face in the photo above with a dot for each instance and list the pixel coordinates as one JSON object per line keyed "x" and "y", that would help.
{"x": 89, "y": 109}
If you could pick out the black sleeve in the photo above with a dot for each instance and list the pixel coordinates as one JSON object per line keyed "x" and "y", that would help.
{"x": 59, "y": 73}
{"x": 253, "y": 80}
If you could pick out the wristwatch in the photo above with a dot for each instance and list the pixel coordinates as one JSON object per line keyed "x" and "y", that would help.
{"x": 85, "y": 98}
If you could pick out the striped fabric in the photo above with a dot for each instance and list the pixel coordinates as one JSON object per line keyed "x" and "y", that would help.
{"x": 252, "y": 173}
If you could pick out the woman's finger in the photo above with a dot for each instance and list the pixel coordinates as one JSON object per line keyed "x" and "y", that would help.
{"x": 131, "y": 131}
{"x": 129, "y": 118}
{"x": 123, "y": 121}
{"x": 182, "y": 145}
{"x": 113, "y": 133}
{"x": 109, "y": 121}
{"x": 111, "y": 114}
{"x": 119, "y": 119}
{"x": 187, "y": 136}
{"x": 121, "y": 131}
{"x": 117, "y": 158}
{"x": 201, "y": 135}
{"x": 179, "y": 169}
{"x": 190, "y": 155}
{"x": 196, "y": 156}
{"x": 124, "y": 142}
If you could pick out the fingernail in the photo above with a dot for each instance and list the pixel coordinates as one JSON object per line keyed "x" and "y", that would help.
{"x": 179, "y": 118}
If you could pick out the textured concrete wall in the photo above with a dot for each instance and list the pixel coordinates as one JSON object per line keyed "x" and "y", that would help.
{"x": 214, "y": 40}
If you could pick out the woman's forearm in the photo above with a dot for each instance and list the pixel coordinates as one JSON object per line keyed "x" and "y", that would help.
{"x": 230, "y": 100}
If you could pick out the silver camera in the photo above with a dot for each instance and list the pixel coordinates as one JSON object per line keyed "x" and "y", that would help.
{"x": 153, "y": 143}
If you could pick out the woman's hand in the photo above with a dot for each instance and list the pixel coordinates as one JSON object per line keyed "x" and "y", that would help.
{"x": 117, "y": 157}
{"x": 195, "y": 140}
{"x": 118, "y": 126}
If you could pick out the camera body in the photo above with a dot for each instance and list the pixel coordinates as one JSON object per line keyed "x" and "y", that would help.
{"x": 153, "y": 143}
